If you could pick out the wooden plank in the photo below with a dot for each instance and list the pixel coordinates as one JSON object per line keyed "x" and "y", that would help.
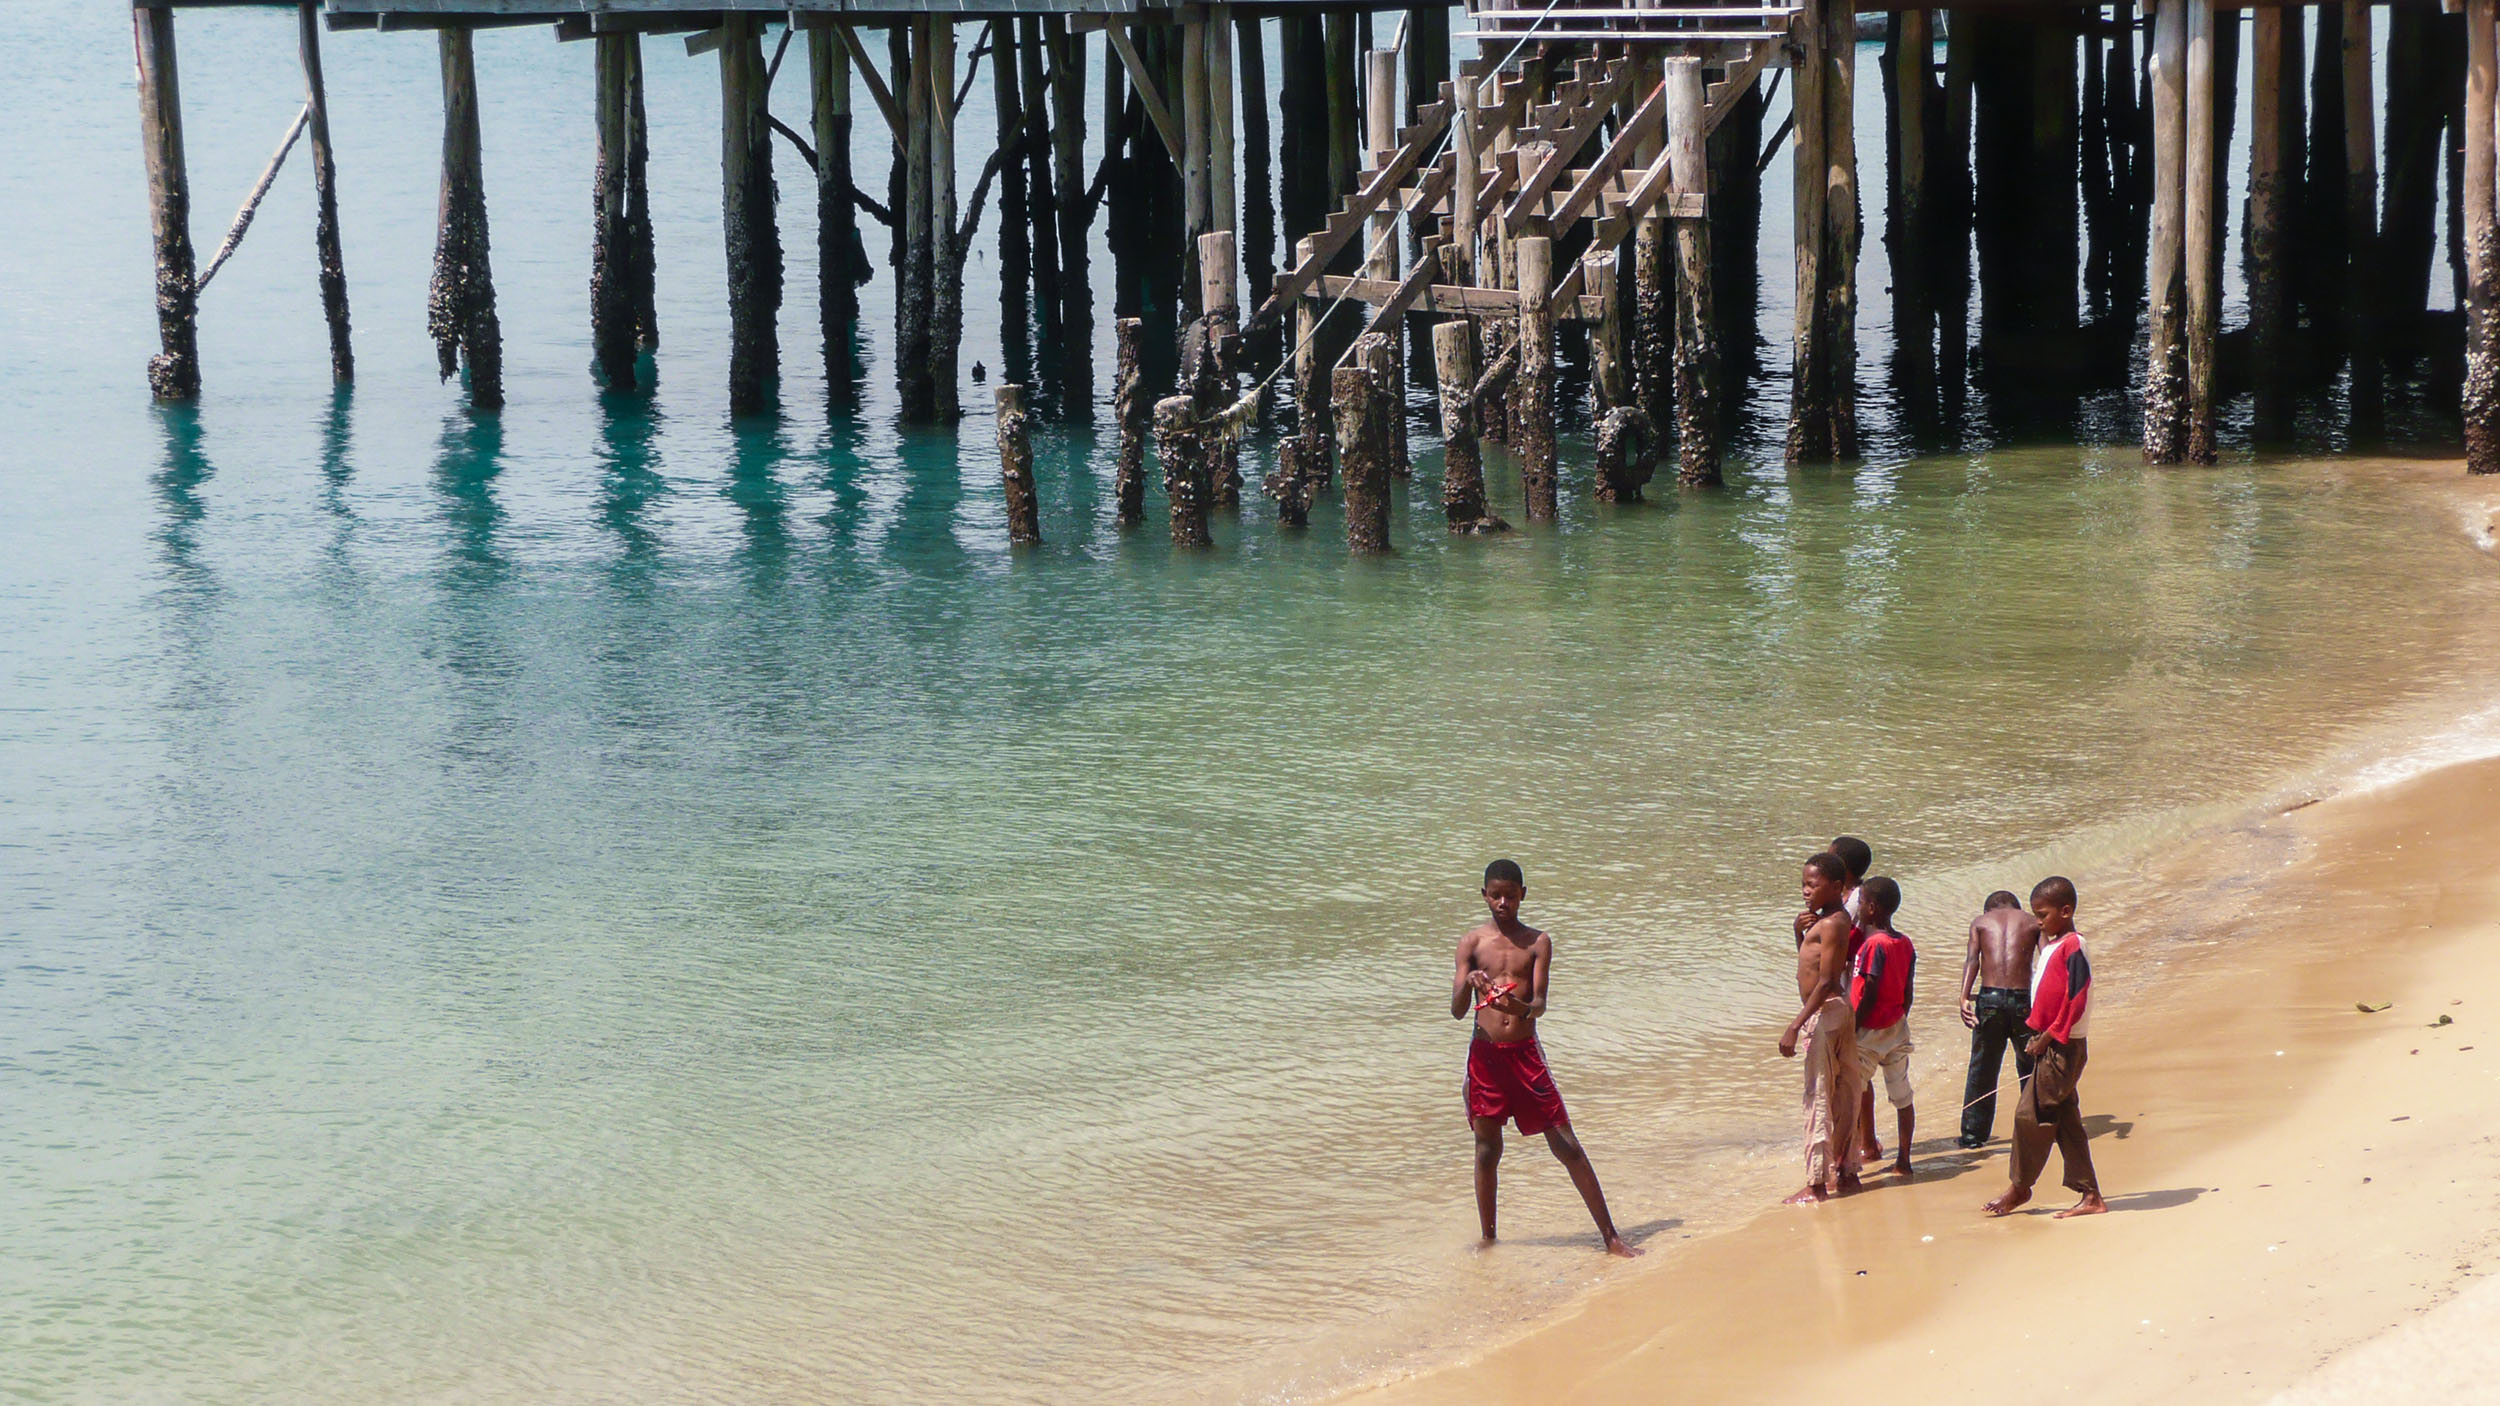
{"x": 1147, "y": 91}
{"x": 1343, "y": 225}
{"x": 1644, "y": 122}
{"x": 868, "y": 74}
{"x": 1417, "y": 279}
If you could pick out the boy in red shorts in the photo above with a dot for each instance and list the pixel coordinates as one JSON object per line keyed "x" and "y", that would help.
{"x": 1502, "y": 970}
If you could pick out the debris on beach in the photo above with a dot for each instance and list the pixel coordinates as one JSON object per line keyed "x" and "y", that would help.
{"x": 2444, "y": 1019}
{"x": 2371, "y": 1007}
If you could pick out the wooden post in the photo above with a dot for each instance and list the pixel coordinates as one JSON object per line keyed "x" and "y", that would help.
{"x": 1015, "y": 249}
{"x": 1380, "y": 135}
{"x": 748, "y": 231}
{"x": 2417, "y": 108}
{"x": 1427, "y": 55}
{"x": 1961, "y": 68}
{"x": 2362, "y": 281}
{"x": 613, "y": 343}
{"x": 1076, "y": 217}
{"x": 1822, "y": 421}
{"x": 1696, "y": 322}
{"x": 1041, "y": 190}
{"x": 1180, "y": 442}
{"x": 2269, "y": 295}
{"x": 1131, "y": 409}
{"x": 1223, "y": 194}
{"x": 642, "y": 262}
{"x": 1197, "y": 214}
{"x": 841, "y": 260}
{"x": 1213, "y": 379}
{"x": 1532, "y": 428}
{"x": 460, "y": 305}
{"x": 915, "y": 297}
{"x": 2165, "y": 372}
{"x": 1015, "y": 465}
{"x": 2321, "y": 275}
{"x": 1913, "y": 306}
{"x": 1840, "y": 227}
{"x": 946, "y": 332}
{"x": 174, "y": 372}
{"x": 2203, "y": 301}
{"x": 1458, "y": 259}
{"x": 1610, "y": 352}
{"x": 325, "y": 196}
{"x": 1344, "y": 123}
{"x": 1462, "y": 459}
{"x": 1258, "y": 208}
{"x": 1365, "y": 450}
{"x": 2482, "y": 248}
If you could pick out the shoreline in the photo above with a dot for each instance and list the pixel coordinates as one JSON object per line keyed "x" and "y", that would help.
{"x": 2271, "y": 1214}
{"x": 2272, "y": 1209}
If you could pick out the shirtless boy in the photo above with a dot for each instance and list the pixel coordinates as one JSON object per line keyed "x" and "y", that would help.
{"x": 1883, "y": 983}
{"x": 1502, "y": 971}
{"x": 1860, "y": 857}
{"x": 1825, "y": 1034}
{"x": 2061, "y": 996}
{"x": 1996, "y": 1005}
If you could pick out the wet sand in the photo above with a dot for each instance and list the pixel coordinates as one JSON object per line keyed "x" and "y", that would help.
{"x": 2288, "y": 1176}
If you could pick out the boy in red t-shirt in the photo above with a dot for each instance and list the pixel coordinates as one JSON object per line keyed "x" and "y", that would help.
{"x": 1882, "y": 982}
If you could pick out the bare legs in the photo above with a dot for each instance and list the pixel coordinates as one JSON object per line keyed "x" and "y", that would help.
{"x": 1575, "y": 1160}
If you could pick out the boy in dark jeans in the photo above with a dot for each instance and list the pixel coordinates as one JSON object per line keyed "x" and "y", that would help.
{"x": 1996, "y": 1004}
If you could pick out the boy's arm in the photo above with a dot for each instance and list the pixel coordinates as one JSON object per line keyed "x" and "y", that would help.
{"x": 1465, "y": 981}
{"x": 1970, "y": 977}
{"x": 1543, "y": 968}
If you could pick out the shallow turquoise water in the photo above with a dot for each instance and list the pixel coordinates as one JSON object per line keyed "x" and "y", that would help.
{"x": 603, "y": 903}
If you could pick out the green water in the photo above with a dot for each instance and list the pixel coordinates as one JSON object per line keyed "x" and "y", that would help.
{"x": 606, "y": 905}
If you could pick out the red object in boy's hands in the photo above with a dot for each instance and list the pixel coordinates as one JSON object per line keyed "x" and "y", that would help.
{"x": 1496, "y": 993}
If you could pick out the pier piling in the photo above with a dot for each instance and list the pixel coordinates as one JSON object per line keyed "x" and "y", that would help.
{"x": 2165, "y": 373}
{"x": 613, "y": 343}
{"x": 2482, "y": 247}
{"x": 174, "y": 373}
{"x": 1697, "y": 416}
{"x": 1462, "y": 460}
{"x": 1130, "y": 407}
{"x": 460, "y": 305}
{"x": 1015, "y": 467}
{"x": 749, "y": 231}
{"x": 333, "y": 266}
{"x": 1364, "y": 449}
{"x": 1075, "y": 213}
{"x": 1181, "y": 443}
{"x": 1532, "y": 390}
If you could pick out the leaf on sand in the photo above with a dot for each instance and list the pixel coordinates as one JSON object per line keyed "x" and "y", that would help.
{"x": 2371, "y": 1007}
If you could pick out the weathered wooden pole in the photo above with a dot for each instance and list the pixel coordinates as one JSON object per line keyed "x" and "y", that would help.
{"x": 1610, "y": 350}
{"x": 1131, "y": 408}
{"x": 1532, "y": 417}
{"x": 2203, "y": 289}
{"x": 325, "y": 196}
{"x": 2269, "y": 293}
{"x": 1462, "y": 458}
{"x": 1960, "y": 207}
{"x": 1076, "y": 216}
{"x": 1427, "y": 55}
{"x": 1196, "y": 206}
{"x": 2362, "y": 279}
{"x": 1365, "y": 449}
{"x": 1015, "y": 248}
{"x": 1913, "y": 59}
{"x": 1380, "y": 134}
{"x": 1213, "y": 380}
{"x": 1223, "y": 190}
{"x": 1344, "y": 119}
{"x": 1015, "y": 465}
{"x": 1458, "y": 258}
{"x": 2165, "y": 372}
{"x": 460, "y": 305}
{"x": 2482, "y": 247}
{"x": 945, "y": 257}
{"x": 174, "y": 372}
{"x": 1180, "y": 442}
{"x": 748, "y": 229}
{"x": 1258, "y": 209}
{"x": 2417, "y": 111}
{"x": 1696, "y": 322}
{"x": 2321, "y": 274}
{"x": 642, "y": 262}
{"x": 1311, "y": 380}
{"x": 915, "y": 297}
{"x": 1041, "y": 187}
{"x": 613, "y": 343}
{"x": 841, "y": 259}
{"x": 1822, "y": 421}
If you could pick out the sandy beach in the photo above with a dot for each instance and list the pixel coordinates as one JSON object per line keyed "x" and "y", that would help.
{"x": 2290, "y": 1176}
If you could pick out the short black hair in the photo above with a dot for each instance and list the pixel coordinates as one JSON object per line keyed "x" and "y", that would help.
{"x": 1855, "y": 853}
{"x": 2002, "y": 898}
{"x": 1879, "y": 897}
{"x": 1501, "y": 869}
{"x": 1828, "y": 865}
{"x": 2057, "y": 890}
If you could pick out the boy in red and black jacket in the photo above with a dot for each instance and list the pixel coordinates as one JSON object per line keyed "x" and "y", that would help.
{"x": 2061, "y": 1011}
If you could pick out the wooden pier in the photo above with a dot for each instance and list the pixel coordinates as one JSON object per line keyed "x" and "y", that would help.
{"x": 1590, "y": 179}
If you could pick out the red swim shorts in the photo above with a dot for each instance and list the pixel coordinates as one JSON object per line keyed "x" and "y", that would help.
{"x": 1511, "y": 1081}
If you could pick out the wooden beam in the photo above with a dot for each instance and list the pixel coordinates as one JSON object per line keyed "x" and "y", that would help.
{"x": 868, "y": 74}
{"x": 1147, "y": 92}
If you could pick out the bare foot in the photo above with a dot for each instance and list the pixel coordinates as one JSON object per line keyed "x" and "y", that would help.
{"x": 1874, "y": 1153}
{"x": 1811, "y": 1196}
{"x": 1850, "y": 1184}
{"x": 2090, "y": 1205}
{"x": 2013, "y": 1200}
{"x": 1902, "y": 1166}
{"x": 1621, "y": 1251}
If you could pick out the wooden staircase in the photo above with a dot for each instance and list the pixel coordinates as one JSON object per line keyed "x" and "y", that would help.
{"x": 1532, "y": 131}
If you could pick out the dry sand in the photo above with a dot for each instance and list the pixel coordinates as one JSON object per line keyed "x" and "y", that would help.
{"x": 2289, "y": 1176}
